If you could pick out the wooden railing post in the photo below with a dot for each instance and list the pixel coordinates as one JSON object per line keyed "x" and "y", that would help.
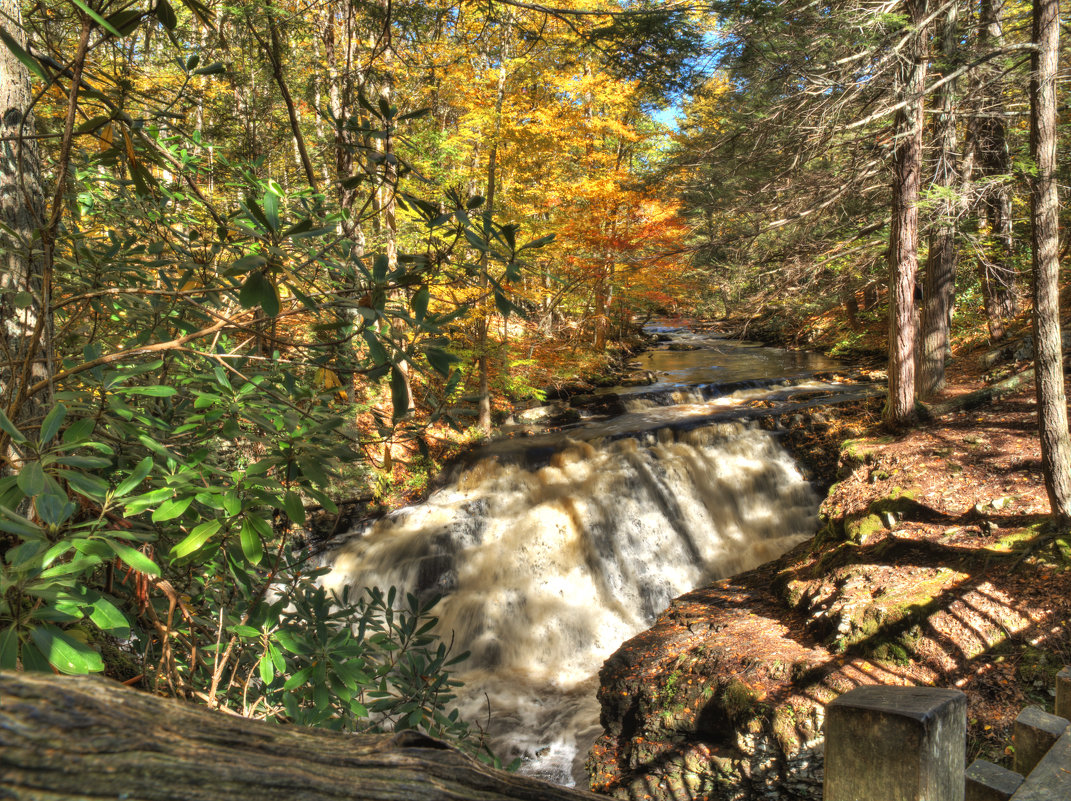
{"x": 896, "y": 744}
{"x": 1063, "y": 693}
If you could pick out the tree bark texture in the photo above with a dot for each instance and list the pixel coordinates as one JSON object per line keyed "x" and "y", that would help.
{"x": 941, "y": 262}
{"x": 997, "y": 271}
{"x": 484, "y": 392}
{"x": 24, "y": 294}
{"x": 66, "y": 737}
{"x": 903, "y": 238}
{"x": 1044, "y": 203}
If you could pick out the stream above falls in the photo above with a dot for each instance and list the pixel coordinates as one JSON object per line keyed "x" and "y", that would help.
{"x": 550, "y": 550}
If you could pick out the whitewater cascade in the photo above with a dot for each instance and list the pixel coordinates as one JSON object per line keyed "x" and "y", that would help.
{"x": 545, "y": 568}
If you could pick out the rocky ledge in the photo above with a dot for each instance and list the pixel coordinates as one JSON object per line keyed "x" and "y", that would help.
{"x": 703, "y": 705}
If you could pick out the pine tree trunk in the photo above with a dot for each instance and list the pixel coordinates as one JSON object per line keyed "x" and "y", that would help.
{"x": 25, "y": 303}
{"x": 1044, "y": 203}
{"x": 996, "y": 268}
{"x": 941, "y": 262}
{"x": 903, "y": 238}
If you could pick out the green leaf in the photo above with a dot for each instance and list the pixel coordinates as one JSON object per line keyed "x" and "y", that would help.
{"x": 243, "y": 265}
{"x": 79, "y": 431}
{"x": 295, "y": 509}
{"x": 196, "y": 539}
{"x": 9, "y": 648}
{"x": 93, "y": 15}
{"x": 292, "y": 643}
{"x": 32, "y": 479}
{"x": 251, "y": 545}
{"x": 476, "y": 241}
{"x": 440, "y": 360}
{"x": 538, "y": 243}
{"x": 171, "y": 509}
{"x": 277, "y": 658}
{"x": 136, "y": 477}
{"x": 267, "y": 670}
{"x": 54, "y": 509}
{"x": 232, "y": 503}
{"x": 259, "y": 291}
{"x": 18, "y": 525}
{"x": 298, "y": 679}
{"x": 65, "y": 653}
{"x": 126, "y": 22}
{"x": 85, "y": 484}
{"x": 108, "y": 617}
{"x": 27, "y": 60}
{"x": 166, "y": 14}
{"x": 502, "y": 303}
{"x": 152, "y": 391}
{"x": 420, "y": 303}
{"x": 135, "y": 558}
{"x": 7, "y": 425}
{"x": 399, "y": 392}
{"x": 33, "y": 661}
{"x": 85, "y": 462}
{"x": 271, "y": 209}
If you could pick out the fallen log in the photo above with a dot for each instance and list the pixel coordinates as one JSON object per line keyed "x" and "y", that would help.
{"x": 65, "y": 738}
{"x": 980, "y": 397}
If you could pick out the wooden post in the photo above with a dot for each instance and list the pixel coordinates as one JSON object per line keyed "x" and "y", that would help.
{"x": 1034, "y": 734}
{"x": 896, "y": 744}
{"x": 989, "y": 782}
{"x": 1063, "y": 693}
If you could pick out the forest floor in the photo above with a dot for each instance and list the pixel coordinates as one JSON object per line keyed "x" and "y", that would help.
{"x": 937, "y": 565}
{"x": 940, "y": 549}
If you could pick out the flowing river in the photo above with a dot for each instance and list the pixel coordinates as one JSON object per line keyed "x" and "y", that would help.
{"x": 551, "y": 550}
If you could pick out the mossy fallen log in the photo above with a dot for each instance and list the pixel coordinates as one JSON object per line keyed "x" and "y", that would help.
{"x": 980, "y": 397}
{"x": 87, "y": 738}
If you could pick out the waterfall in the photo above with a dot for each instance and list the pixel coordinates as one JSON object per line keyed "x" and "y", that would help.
{"x": 545, "y": 569}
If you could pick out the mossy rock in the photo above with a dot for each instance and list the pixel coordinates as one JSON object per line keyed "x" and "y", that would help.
{"x": 738, "y": 700}
{"x": 862, "y": 528}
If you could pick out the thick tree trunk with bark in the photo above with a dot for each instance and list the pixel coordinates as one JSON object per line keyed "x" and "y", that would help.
{"x": 1045, "y": 209}
{"x": 65, "y": 737}
{"x": 25, "y": 313}
{"x": 941, "y": 262}
{"x": 903, "y": 238}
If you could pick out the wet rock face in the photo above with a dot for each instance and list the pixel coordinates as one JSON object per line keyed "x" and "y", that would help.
{"x": 703, "y": 705}
{"x": 691, "y": 733}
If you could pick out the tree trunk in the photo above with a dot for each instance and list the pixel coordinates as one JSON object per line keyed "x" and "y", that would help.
{"x": 903, "y": 238}
{"x": 484, "y": 420}
{"x": 996, "y": 269}
{"x": 1044, "y": 206}
{"x": 67, "y": 738}
{"x": 25, "y": 303}
{"x": 941, "y": 261}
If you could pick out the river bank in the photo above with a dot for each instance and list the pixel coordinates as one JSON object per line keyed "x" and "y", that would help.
{"x": 934, "y": 566}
